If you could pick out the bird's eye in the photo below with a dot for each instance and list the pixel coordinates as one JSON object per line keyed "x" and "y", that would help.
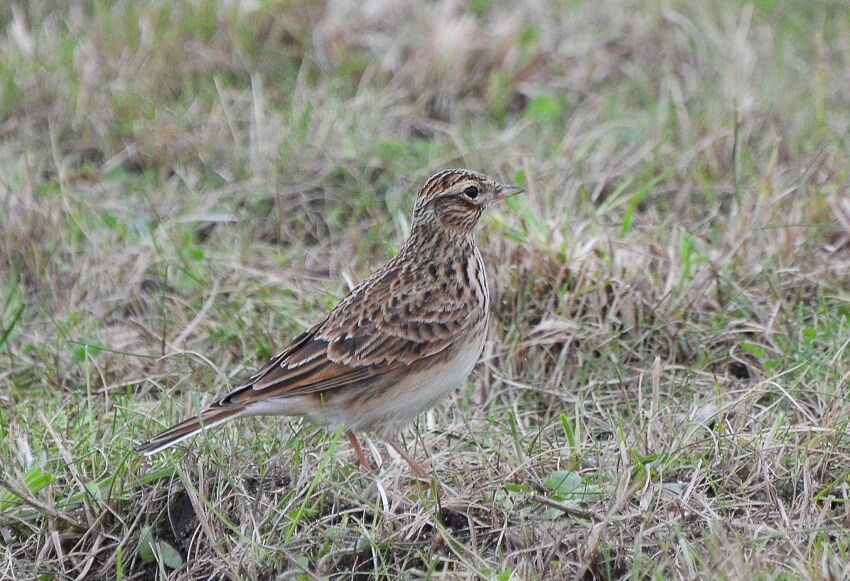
{"x": 471, "y": 192}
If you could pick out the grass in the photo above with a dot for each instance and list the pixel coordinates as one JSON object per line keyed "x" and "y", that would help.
{"x": 665, "y": 392}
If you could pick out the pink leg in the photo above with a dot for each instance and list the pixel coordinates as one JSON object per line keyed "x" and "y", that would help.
{"x": 358, "y": 451}
{"x": 416, "y": 466}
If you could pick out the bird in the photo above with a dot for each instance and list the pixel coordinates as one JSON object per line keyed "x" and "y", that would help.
{"x": 396, "y": 345}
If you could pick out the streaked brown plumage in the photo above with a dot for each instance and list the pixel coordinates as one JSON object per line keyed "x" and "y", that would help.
{"x": 397, "y": 344}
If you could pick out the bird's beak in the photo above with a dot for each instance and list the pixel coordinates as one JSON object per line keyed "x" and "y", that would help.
{"x": 508, "y": 190}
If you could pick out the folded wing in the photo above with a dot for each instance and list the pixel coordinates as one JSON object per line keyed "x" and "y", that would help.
{"x": 374, "y": 331}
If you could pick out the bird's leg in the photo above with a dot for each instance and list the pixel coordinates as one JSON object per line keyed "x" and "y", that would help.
{"x": 358, "y": 451}
{"x": 416, "y": 466}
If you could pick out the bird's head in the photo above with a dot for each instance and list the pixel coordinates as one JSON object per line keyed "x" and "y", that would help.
{"x": 453, "y": 200}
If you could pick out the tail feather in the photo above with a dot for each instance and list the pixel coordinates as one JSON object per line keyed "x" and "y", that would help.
{"x": 188, "y": 428}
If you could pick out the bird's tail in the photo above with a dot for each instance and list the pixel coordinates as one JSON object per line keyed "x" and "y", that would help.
{"x": 188, "y": 428}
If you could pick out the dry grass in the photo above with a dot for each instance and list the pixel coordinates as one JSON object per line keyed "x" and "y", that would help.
{"x": 665, "y": 394}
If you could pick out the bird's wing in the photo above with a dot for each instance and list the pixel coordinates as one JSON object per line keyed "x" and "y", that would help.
{"x": 390, "y": 321}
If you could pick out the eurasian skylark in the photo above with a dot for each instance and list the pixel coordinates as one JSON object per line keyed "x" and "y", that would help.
{"x": 394, "y": 347}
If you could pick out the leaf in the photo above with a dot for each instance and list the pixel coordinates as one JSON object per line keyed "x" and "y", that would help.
{"x": 520, "y": 179}
{"x": 653, "y": 460}
{"x": 119, "y": 563}
{"x": 809, "y": 335}
{"x": 6, "y": 331}
{"x": 753, "y": 348}
{"x": 687, "y": 248}
{"x": 170, "y": 557}
{"x": 543, "y": 109}
{"x": 392, "y": 149}
{"x": 529, "y": 36}
{"x": 503, "y": 499}
{"x": 81, "y": 352}
{"x": 36, "y": 480}
{"x": 563, "y": 482}
{"x": 148, "y": 548}
{"x": 570, "y": 434}
{"x": 479, "y": 6}
{"x": 507, "y": 230}
{"x": 636, "y": 199}
{"x": 145, "y": 548}
{"x": 110, "y": 220}
{"x": 519, "y": 205}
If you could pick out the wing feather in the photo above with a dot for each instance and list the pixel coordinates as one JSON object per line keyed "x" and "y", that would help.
{"x": 376, "y": 330}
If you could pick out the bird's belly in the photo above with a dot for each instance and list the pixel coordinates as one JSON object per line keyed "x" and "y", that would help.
{"x": 388, "y": 407}
{"x": 383, "y": 405}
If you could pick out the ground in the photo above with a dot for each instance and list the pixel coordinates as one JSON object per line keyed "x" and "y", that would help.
{"x": 664, "y": 393}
